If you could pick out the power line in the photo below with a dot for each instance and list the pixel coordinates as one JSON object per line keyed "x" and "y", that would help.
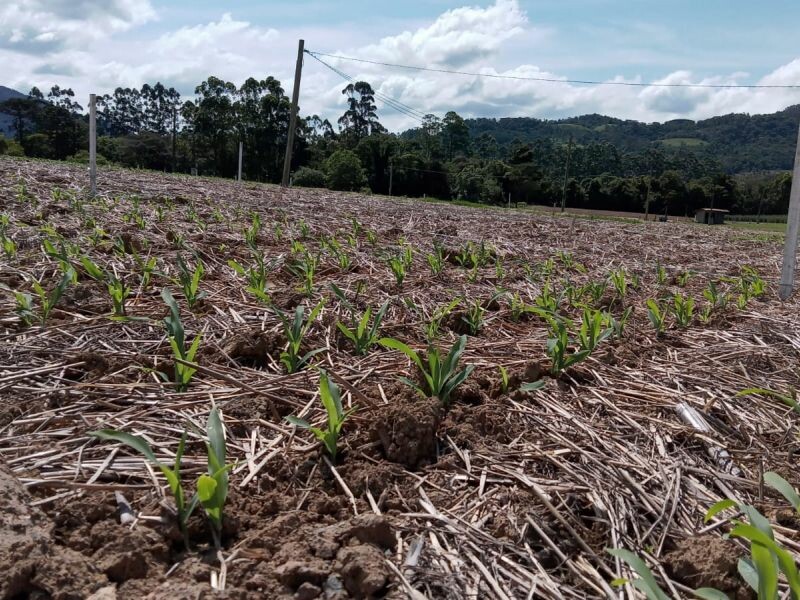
{"x": 556, "y": 80}
{"x": 392, "y": 102}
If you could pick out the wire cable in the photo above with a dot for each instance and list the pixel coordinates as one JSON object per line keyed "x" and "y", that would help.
{"x": 388, "y": 100}
{"x": 557, "y": 80}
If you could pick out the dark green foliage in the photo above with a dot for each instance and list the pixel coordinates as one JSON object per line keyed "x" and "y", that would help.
{"x": 343, "y": 172}
{"x": 308, "y": 177}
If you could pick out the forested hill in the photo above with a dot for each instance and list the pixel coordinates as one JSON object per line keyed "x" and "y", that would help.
{"x": 740, "y": 142}
{"x": 6, "y": 122}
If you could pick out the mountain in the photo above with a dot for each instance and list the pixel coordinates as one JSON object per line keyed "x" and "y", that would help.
{"x": 6, "y": 123}
{"x": 740, "y": 142}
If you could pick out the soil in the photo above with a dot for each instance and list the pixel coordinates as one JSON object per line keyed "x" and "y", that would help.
{"x": 448, "y": 496}
{"x": 707, "y": 561}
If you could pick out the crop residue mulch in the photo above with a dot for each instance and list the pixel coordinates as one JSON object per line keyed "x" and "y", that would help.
{"x": 503, "y": 494}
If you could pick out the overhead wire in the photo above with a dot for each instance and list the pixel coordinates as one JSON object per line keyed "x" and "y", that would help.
{"x": 556, "y": 79}
{"x": 386, "y": 99}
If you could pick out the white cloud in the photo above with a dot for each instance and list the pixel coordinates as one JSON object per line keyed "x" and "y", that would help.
{"x": 36, "y": 26}
{"x": 497, "y": 38}
{"x": 458, "y": 37}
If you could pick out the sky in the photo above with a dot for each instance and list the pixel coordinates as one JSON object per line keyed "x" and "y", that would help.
{"x": 98, "y": 45}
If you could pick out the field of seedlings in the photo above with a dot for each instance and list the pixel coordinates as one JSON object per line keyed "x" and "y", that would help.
{"x": 211, "y": 389}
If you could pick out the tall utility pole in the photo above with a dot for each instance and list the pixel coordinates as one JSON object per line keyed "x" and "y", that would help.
{"x": 792, "y": 230}
{"x": 239, "y": 176}
{"x": 566, "y": 175}
{"x": 287, "y": 161}
{"x": 92, "y": 144}
{"x": 391, "y": 176}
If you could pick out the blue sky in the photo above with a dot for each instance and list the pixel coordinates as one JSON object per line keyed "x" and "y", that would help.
{"x": 94, "y": 45}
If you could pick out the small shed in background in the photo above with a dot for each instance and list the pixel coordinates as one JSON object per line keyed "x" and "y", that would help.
{"x": 710, "y": 216}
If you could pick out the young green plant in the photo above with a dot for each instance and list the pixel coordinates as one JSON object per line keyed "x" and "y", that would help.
{"x": 190, "y": 281}
{"x": 360, "y": 333}
{"x": 177, "y": 341}
{"x": 331, "y": 400}
{"x": 295, "y": 331}
{"x": 441, "y": 375}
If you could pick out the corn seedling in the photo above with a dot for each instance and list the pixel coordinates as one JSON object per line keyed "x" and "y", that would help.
{"x": 595, "y": 290}
{"x": 407, "y": 256}
{"x": 277, "y": 232}
{"x": 295, "y": 331}
{"x": 558, "y": 345}
{"x": 172, "y": 474}
{"x": 761, "y": 571}
{"x": 433, "y": 326}
{"x": 546, "y": 302}
{"x": 343, "y": 259}
{"x": 789, "y": 399}
{"x": 212, "y": 488}
{"x": 661, "y": 274}
{"x": 119, "y": 293}
{"x": 372, "y": 238}
{"x": 619, "y": 280}
{"x": 436, "y": 260}
{"x": 47, "y": 301}
{"x": 468, "y": 257}
{"x": 714, "y": 296}
{"x": 331, "y": 400}
{"x": 683, "y": 309}
{"x": 305, "y": 269}
{"x": 148, "y": 267}
{"x": 256, "y": 276}
{"x": 499, "y": 269}
{"x": 569, "y": 262}
{"x": 190, "y": 281}
{"x": 594, "y": 329}
{"x": 305, "y": 230}
{"x": 360, "y": 333}
{"x": 252, "y": 232}
{"x": 398, "y": 267}
{"x": 9, "y": 247}
{"x": 441, "y": 374}
{"x": 503, "y": 379}
{"x": 683, "y": 278}
{"x": 473, "y": 318}
{"x": 548, "y": 267}
{"x": 617, "y": 325}
{"x": 656, "y": 315}
{"x": 357, "y": 227}
{"x": 177, "y": 341}
{"x": 750, "y": 286}
{"x": 519, "y": 308}
{"x": 61, "y": 255}
{"x": 117, "y": 290}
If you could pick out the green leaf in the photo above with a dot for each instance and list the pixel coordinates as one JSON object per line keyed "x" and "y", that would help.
{"x": 298, "y": 422}
{"x": 776, "y": 482}
{"x": 216, "y": 436}
{"x": 710, "y": 594}
{"x": 136, "y": 442}
{"x": 718, "y": 507}
{"x": 394, "y": 344}
{"x": 206, "y": 487}
{"x": 533, "y": 386}
{"x": 748, "y": 572}
{"x": 647, "y": 582}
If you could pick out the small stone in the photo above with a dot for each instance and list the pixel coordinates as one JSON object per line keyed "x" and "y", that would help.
{"x": 308, "y": 591}
{"x": 295, "y": 573}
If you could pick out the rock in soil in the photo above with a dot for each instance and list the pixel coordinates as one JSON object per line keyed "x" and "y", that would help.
{"x": 33, "y": 564}
{"x": 707, "y": 561}
{"x": 406, "y": 430}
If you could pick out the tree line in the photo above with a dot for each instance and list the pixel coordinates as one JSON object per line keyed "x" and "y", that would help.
{"x": 449, "y": 158}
